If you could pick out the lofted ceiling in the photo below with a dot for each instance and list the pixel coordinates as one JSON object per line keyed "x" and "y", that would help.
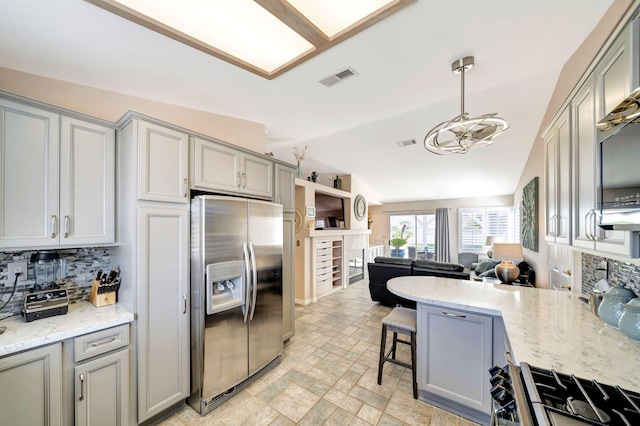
{"x": 404, "y": 87}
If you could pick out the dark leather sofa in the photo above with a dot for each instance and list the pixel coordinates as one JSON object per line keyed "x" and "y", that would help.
{"x": 382, "y": 269}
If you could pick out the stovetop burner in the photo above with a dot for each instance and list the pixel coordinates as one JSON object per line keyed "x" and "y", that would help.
{"x": 560, "y": 399}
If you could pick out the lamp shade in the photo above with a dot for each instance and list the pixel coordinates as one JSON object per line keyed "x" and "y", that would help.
{"x": 507, "y": 251}
{"x": 490, "y": 240}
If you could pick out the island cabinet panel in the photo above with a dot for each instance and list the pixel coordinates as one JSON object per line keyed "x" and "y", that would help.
{"x": 455, "y": 354}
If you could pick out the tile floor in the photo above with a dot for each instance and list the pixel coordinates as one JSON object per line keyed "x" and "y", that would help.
{"x": 328, "y": 375}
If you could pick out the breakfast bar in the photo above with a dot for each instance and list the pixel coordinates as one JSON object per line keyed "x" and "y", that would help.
{"x": 464, "y": 328}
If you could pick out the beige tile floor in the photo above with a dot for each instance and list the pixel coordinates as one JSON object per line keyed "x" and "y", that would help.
{"x": 328, "y": 375}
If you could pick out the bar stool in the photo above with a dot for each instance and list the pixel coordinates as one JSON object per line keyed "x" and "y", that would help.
{"x": 400, "y": 320}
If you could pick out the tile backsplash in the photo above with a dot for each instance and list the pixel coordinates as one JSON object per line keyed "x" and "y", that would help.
{"x": 81, "y": 267}
{"x": 619, "y": 273}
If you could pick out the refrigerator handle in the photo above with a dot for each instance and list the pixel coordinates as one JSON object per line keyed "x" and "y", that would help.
{"x": 254, "y": 280}
{"x": 245, "y": 282}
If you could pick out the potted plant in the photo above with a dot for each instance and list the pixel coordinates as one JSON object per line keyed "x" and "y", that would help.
{"x": 399, "y": 237}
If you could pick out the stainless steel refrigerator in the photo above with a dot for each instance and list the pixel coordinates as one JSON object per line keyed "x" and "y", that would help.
{"x": 236, "y": 295}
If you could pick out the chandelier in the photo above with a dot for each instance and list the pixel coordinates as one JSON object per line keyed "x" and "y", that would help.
{"x": 460, "y": 134}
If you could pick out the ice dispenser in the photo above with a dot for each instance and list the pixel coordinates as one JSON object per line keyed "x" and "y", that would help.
{"x": 224, "y": 286}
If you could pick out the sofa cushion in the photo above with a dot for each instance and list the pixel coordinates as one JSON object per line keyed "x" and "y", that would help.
{"x": 393, "y": 260}
{"x": 442, "y": 266}
{"x": 486, "y": 265}
{"x": 491, "y": 273}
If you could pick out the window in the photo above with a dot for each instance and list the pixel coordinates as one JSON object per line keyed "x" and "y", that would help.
{"x": 420, "y": 233}
{"x": 475, "y": 224}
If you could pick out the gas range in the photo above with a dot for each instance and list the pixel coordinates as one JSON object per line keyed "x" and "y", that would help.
{"x": 528, "y": 395}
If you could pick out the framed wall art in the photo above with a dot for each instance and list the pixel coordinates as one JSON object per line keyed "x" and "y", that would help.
{"x": 529, "y": 215}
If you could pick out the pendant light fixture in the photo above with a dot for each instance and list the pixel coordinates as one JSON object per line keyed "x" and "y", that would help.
{"x": 460, "y": 134}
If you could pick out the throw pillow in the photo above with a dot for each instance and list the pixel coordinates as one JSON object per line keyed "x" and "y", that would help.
{"x": 486, "y": 265}
{"x": 491, "y": 273}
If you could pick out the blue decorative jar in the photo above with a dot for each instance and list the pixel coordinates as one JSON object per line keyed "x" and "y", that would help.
{"x": 610, "y": 309}
{"x": 629, "y": 323}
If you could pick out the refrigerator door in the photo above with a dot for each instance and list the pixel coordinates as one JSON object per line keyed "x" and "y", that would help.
{"x": 225, "y": 351}
{"x": 265, "y": 247}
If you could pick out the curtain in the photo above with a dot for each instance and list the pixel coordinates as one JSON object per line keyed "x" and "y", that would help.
{"x": 442, "y": 235}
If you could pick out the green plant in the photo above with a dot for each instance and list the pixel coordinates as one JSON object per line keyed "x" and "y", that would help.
{"x": 400, "y": 235}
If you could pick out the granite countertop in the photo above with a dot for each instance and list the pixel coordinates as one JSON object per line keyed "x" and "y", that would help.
{"x": 546, "y": 328}
{"x": 82, "y": 318}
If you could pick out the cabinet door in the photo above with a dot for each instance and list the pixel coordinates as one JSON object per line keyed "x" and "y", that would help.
{"x": 550, "y": 192}
{"x": 257, "y": 176}
{"x": 87, "y": 181}
{"x": 163, "y": 314}
{"x": 563, "y": 181}
{"x": 456, "y": 350}
{"x": 163, "y": 163}
{"x": 102, "y": 391}
{"x": 288, "y": 258}
{"x": 285, "y": 187}
{"x": 34, "y": 376}
{"x": 585, "y": 166}
{"x": 215, "y": 166}
{"x": 29, "y": 143}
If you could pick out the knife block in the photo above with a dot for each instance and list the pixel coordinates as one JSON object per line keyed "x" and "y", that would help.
{"x": 101, "y": 299}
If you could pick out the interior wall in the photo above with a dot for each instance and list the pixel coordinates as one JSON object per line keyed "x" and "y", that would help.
{"x": 569, "y": 77}
{"x": 380, "y": 215}
{"x": 111, "y": 106}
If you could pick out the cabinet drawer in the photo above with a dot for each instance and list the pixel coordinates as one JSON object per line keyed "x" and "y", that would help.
{"x": 323, "y": 275}
{"x": 101, "y": 342}
{"x": 323, "y": 244}
{"x": 323, "y": 287}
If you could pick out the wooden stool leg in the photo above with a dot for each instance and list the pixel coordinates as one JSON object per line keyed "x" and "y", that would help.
{"x": 393, "y": 347}
{"x": 413, "y": 365}
{"x": 383, "y": 344}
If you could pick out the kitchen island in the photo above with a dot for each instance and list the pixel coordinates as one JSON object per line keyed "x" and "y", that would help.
{"x": 545, "y": 328}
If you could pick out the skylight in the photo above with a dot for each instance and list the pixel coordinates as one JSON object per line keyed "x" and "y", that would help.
{"x": 266, "y": 37}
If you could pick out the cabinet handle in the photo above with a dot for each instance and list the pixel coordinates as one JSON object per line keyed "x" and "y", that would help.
{"x": 587, "y": 226}
{"x": 186, "y": 186}
{"x": 54, "y": 225}
{"x": 81, "y": 387}
{"x": 66, "y": 226}
{"x": 595, "y": 226}
{"x": 184, "y": 310}
{"x": 238, "y": 180}
{"x": 244, "y": 180}
{"x": 449, "y": 314}
{"x": 103, "y": 342}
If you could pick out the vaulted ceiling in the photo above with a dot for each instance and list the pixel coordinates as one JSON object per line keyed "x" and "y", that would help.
{"x": 404, "y": 85}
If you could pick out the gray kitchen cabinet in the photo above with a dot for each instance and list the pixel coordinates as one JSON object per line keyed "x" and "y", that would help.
{"x": 153, "y": 254}
{"x": 586, "y": 232}
{"x": 220, "y": 168}
{"x": 163, "y": 163}
{"x": 285, "y": 187}
{"x": 459, "y": 352}
{"x": 34, "y": 376}
{"x": 56, "y": 178}
{"x": 558, "y": 180}
{"x": 288, "y": 276}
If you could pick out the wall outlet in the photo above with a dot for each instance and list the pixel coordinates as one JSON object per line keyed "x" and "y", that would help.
{"x": 13, "y": 268}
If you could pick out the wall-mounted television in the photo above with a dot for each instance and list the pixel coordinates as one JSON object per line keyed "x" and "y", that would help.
{"x": 329, "y": 211}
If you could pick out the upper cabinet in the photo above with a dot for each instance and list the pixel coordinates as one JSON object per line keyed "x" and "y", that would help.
{"x": 618, "y": 72}
{"x": 285, "y": 187}
{"x": 56, "y": 179}
{"x": 163, "y": 163}
{"x": 558, "y": 180}
{"x": 218, "y": 167}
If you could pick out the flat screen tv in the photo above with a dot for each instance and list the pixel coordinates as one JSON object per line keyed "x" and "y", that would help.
{"x": 329, "y": 211}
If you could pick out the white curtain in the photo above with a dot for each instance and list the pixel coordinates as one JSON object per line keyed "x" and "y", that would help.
{"x": 442, "y": 235}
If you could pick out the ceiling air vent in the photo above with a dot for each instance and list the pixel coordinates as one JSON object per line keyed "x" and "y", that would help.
{"x": 406, "y": 142}
{"x": 339, "y": 77}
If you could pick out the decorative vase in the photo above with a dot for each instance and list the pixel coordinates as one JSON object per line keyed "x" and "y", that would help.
{"x": 397, "y": 252}
{"x": 610, "y": 309}
{"x": 629, "y": 323}
{"x": 299, "y": 172}
{"x": 507, "y": 272}
{"x": 337, "y": 182}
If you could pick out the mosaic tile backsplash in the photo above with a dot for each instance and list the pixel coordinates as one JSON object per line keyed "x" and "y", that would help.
{"x": 81, "y": 267}
{"x": 619, "y": 273}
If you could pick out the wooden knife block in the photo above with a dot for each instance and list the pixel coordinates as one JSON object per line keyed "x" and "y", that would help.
{"x": 101, "y": 299}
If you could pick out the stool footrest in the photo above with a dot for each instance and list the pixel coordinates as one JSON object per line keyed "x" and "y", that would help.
{"x": 403, "y": 364}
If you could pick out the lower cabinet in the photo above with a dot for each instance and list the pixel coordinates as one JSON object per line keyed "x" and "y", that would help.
{"x": 34, "y": 376}
{"x": 455, "y": 353}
